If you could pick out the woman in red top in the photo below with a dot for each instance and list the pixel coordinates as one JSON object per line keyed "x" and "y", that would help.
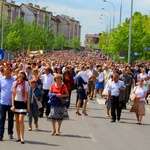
{"x": 57, "y": 112}
{"x": 68, "y": 81}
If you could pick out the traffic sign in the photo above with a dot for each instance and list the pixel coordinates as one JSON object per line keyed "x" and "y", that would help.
{"x": 2, "y": 54}
{"x": 147, "y": 48}
{"x": 8, "y": 55}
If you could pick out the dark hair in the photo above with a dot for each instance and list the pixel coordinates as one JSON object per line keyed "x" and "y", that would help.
{"x": 25, "y": 76}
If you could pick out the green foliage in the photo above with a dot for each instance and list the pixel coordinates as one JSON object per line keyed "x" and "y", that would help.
{"x": 119, "y": 38}
{"x": 60, "y": 41}
{"x": 75, "y": 44}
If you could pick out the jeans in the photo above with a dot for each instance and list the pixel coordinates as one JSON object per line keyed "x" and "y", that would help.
{"x": 3, "y": 110}
{"x": 34, "y": 114}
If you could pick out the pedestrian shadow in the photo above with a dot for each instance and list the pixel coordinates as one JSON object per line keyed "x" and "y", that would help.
{"x": 40, "y": 130}
{"x": 94, "y": 108}
{"x": 127, "y": 119}
{"x": 142, "y": 124}
{"x": 40, "y": 143}
{"x": 75, "y": 136}
{"x": 100, "y": 117}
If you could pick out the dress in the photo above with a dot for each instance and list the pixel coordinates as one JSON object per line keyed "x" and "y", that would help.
{"x": 57, "y": 113}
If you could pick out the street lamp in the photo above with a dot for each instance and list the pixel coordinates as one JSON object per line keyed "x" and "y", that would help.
{"x": 114, "y": 12}
{"x": 107, "y": 20}
{"x": 120, "y": 12}
{"x": 3, "y": 12}
{"x": 109, "y": 14}
{"x": 105, "y": 23}
{"x": 130, "y": 32}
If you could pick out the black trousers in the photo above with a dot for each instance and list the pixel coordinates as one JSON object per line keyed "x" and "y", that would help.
{"x": 115, "y": 107}
{"x": 45, "y": 104}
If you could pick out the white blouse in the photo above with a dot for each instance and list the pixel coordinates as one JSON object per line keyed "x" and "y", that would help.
{"x": 18, "y": 95}
{"x": 140, "y": 92}
{"x": 100, "y": 77}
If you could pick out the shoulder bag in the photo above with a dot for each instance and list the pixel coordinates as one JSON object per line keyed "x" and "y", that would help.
{"x": 64, "y": 100}
{"x": 132, "y": 96}
{"x": 39, "y": 104}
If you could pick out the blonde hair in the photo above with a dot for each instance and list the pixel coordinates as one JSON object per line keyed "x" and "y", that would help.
{"x": 35, "y": 71}
{"x": 57, "y": 76}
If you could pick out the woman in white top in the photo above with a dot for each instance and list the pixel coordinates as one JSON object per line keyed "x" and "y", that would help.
{"x": 20, "y": 103}
{"x": 139, "y": 103}
{"x": 99, "y": 82}
{"x": 142, "y": 75}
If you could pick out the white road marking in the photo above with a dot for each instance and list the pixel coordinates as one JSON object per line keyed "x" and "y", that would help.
{"x": 100, "y": 101}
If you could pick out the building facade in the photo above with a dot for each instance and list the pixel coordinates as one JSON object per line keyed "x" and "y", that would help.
{"x": 59, "y": 24}
{"x": 91, "y": 41}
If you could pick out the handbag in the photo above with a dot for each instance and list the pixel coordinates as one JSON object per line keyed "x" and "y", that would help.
{"x": 79, "y": 89}
{"x": 64, "y": 101}
{"x": 39, "y": 104}
{"x": 132, "y": 96}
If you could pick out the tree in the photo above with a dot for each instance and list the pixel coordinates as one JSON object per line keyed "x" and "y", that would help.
{"x": 75, "y": 43}
{"x": 119, "y": 37}
{"x": 60, "y": 41}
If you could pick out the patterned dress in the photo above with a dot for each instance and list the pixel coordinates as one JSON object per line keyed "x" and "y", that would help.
{"x": 58, "y": 113}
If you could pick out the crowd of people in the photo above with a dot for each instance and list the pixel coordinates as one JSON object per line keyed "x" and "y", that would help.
{"x": 54, "y": 75}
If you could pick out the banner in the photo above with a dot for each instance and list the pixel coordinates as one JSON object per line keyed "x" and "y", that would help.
{"x": 35, "y": 53}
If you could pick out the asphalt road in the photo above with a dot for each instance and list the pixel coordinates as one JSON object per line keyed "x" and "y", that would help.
{"x": 92, "y": 132}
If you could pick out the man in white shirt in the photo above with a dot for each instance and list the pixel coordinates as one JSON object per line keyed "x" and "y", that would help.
{"x": 47, "y": 80}
{"x": 113, "y": 94}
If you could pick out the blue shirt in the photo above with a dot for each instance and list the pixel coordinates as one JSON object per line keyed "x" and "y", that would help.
{"x": 5, "y": 92}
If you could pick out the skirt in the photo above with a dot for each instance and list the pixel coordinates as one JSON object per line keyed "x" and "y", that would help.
{"x": 99, "y": 85}
{"x": 20, "y": 107}
{"x": 138, "y": 107}
{"x": 82, "y": 95}
{"x": 58, "y": 113}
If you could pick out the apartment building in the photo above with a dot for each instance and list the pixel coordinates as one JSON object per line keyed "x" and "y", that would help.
{"x": 91, "y": 41}
{"x": 10, "y": 10}
{"x": 59, "y": 24}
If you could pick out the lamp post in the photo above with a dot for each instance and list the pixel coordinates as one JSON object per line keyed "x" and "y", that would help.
{"x": 107, "y": 19}
{"x": 120, "y": 12}
{"x": 105, "y": 23}
{"x": 114, "y": 12}
{"x": 109, "y": 14}
{"x": 2, "y": 36}
{"x": 130, "y": 32}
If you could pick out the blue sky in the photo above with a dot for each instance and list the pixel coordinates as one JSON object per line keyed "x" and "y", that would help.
{"x": 88, "y": 12}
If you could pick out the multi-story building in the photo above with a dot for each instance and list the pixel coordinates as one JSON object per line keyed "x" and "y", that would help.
{"x": 10, "y": 10}
{"x": 91, "y": 41}
{"x": 40, "y": 16}
{"x": 59, "y": 24}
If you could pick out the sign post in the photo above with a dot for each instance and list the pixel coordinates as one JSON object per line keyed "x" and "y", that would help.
{"x": 2, "y": 54}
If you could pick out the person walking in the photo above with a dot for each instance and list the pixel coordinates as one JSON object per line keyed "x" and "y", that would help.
{"x": 126, "y": 78}
{"x": 57, "y": 112}
{"x": 6, "y": 103}
{"x": 139, "y": 103}
{"x": 35, "y": 95}
{"x": 20, "y": 103}
{"x": 92, "y": 73}
{"x": 47, "y": 80}
{"x": 113, "y": 94}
